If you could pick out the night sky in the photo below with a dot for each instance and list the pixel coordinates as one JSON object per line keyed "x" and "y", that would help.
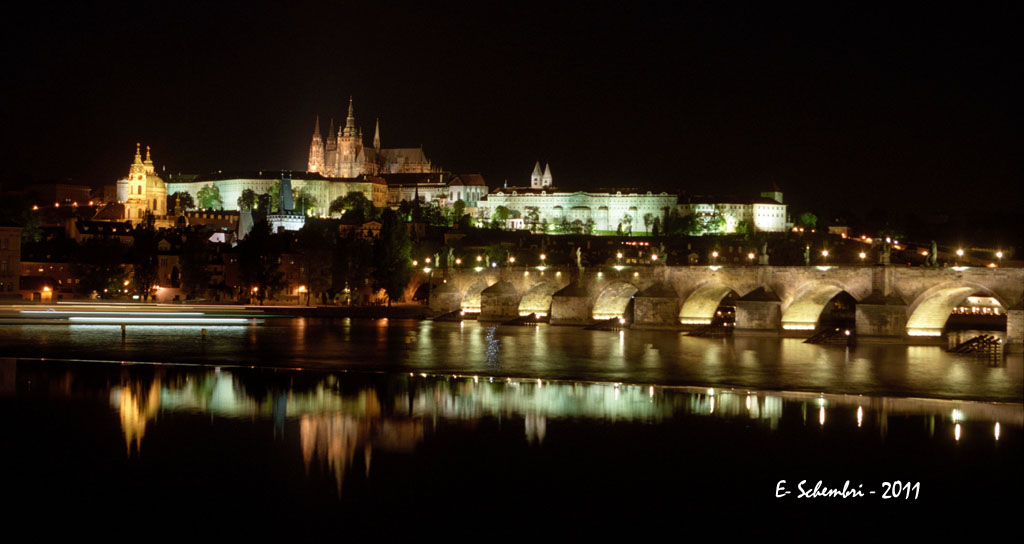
{"x": 841, "y": 106}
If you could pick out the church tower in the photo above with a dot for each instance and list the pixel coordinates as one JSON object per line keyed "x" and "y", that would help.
{"x": 376, "y": 136}
{"x": 535, "y": 178}
{"x": 316, "y": 150}
{"x": 350, "y": 144}
{"x": 546, "y": 179}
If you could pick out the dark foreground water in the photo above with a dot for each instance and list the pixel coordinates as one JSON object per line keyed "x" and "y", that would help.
{"x": 345, "y": 426}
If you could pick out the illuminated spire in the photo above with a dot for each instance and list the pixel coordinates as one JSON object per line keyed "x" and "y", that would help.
{"x": 376, "y": 136}
{"x": 535, "y": 178}
{"x": 138, "y": 153}
{"x": 350, "y": 121}
{"x": 546, "y": 179}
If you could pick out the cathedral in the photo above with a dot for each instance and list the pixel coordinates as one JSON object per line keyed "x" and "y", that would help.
{"x": 343, "y": 154}
{"x": 139, "y": 194}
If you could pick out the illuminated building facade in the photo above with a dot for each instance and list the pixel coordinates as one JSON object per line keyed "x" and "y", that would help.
{"x": 343, "y": 155}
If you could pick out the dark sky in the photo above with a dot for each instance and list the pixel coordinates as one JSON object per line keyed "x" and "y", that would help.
{"x": 841, "y": 106}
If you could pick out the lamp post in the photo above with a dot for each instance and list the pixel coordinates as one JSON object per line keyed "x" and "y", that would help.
{"x": 824, "y": 256}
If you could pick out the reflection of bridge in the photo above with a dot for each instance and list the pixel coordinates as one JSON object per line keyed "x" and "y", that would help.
{"x": 890, "y": 301}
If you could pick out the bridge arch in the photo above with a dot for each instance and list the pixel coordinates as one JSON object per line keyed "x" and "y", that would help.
{"x": 807, "y": 304}
{"x": 699, "y": 308}
{"x": 537, "y": 299}
{"x": 613, "y": 300}
{"x": 928, "y": 313}
{"x": 471, "y": 297}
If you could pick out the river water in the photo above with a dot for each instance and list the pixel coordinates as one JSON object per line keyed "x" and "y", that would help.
{"x": 320, "y": 423}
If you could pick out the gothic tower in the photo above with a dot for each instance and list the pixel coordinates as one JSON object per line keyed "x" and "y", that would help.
{"x": 316, "y": 150}
{"x": 535, "y": 178}
{"x": 350, "y": 144}
{"x": 545, "y": 180}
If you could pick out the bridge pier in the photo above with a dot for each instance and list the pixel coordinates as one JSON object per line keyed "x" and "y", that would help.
{"x": 445, "y": 298}
{"x": 881, "y": 315}
{"x": 572, "y": 305}
{"x": 759, "y": 311}
{"x": 499, "y": 302}
{"x": 1015, "y": 330}
{"x": 656, "y": 307}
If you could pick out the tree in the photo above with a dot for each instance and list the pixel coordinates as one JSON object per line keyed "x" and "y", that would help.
{"x": 458, "y": 210}
{"x": 185, "y": 198}
{"x": 532, "y": 218}
{"x": 316, "y": 246}
{"x": 656, "y": 228}
{"x": 500, "y": 217}
{"x": 627, "y": 222}
{"x": 98, "y": 265}
{"x": 258, "y": 258}
{"x": 247, "y": 200}
{"x": 353, "y": 205}
{"x": 392, "y": 256}
{"x": 195, "y": 256}
{"x": 209, "y": 197}
{"x": 303, "y": 200}
{"x": 807, "y": 220}
{"x": 648, "y": 220}
{"x": 744, "y": 228}
{"x": 588, "y": 226}
{"x": 145, "y": 264}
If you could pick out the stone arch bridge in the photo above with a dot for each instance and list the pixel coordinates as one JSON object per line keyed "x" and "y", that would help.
{"x": 891, "y": 301}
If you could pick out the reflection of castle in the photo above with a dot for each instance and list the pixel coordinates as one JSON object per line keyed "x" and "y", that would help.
{"x": 343, "y": 155}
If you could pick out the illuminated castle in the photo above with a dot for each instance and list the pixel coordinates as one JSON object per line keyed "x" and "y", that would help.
{"x": 343, "y": 154}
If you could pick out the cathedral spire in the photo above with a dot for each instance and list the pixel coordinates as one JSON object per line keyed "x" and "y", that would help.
{"x": 535, "y": 178}
{"x": 138, "y": 153}
{"x": 149, "y": 160}
{"x": 350, "y": 121}
{"x": 546, "y": 179}
{"x": 316, "y": 128}
{"x": 376, "y": 136}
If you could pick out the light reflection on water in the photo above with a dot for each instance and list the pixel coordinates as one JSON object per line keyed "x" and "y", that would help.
{"x": 336, "y": 425}
{"x": 355, "y": 431}
{"x": 541, "y": 351}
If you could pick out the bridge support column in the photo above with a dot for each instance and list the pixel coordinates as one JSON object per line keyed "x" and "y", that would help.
{"x": 759, "y": 311}
{"x": 657, "y": 307}
{"x": 1015, "y": 330}
{"x": 499, "y": 302}
{"x": 881, "y": 315}
{"x": 572, "y": 306}
{"x": 444, "y": 299}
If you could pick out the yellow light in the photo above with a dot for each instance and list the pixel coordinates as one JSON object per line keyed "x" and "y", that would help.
{"x": 302, "y": 288}
{"x": 960, "y": 252}
{"x": 415, "y": 263}
{"x": 862, "y": 255}
{"x": 427, "y": 260}
{"x": 458, "y": 261}
{"x": 511, "y": 259}
{"x": 654, "y": 257}
{"x": 824, "y": 253}
{"x": 750, "y": 255}
{"x": 714, "y": 254}
{"x": 35, "y": 207}
{"x": 46, "y": 289}
{"x": 479, "y": 258}
{"x": 999, "y": 254}
{"x": 543, "y": 256}
{"x": 618, "y": 255}
{"x": 126, "y": 283}
{"x": 56, "y": 204}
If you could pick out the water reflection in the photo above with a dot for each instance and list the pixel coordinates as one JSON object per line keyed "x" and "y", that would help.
{"x": 340, "y": 422}
{"x": 547, "y": 352}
